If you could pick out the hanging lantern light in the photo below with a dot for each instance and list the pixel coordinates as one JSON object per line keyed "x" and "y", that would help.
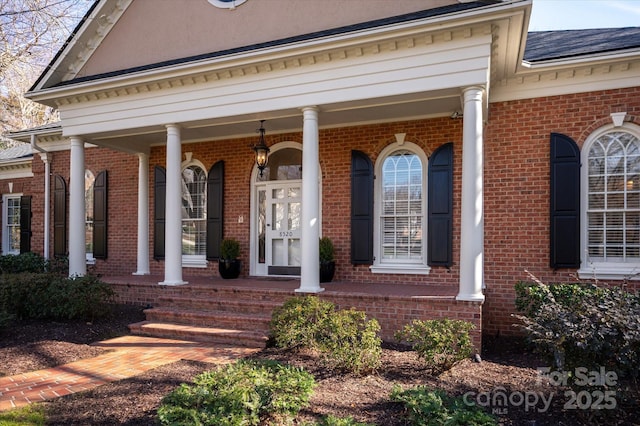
{"x": 261, "y": 149}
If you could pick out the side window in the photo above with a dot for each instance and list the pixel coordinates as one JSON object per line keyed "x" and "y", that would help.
{"x": 11, "y": 221}
{"x": 611, "y": 202}
{"x": 89, "y": 180}
{"x": 194, "y": 212}
{"x": 401, "y": 208}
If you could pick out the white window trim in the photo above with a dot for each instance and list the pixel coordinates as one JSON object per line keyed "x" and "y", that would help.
{"x": 229, "y": 4}
{"x": 5, "y": 218}
{"x": 194, "y": 261}
{"x": 396, "y": 266}
{"x": 588, "y": 268}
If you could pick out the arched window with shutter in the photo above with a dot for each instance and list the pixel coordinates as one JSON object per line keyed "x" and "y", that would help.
{"x": 400, "y": 226}
{"x": 610, "y": 198}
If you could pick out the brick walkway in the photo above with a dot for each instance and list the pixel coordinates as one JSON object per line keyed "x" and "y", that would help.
{"x": 129, "y": 356}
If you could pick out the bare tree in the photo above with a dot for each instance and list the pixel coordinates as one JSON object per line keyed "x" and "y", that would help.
{"x": 31, "y": 32}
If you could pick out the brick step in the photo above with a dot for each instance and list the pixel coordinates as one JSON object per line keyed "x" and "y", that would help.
{"x": 233, "y": 320}
{"x": 264, "y": 307}
{"x": 238, "y": 293}
{"x": 251, "y": 339}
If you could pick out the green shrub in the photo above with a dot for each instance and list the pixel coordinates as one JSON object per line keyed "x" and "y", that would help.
{"x": 296, "y": 323}
{"x": 348, "y": 341}
{"x": 582, "y": 325}
{"x": 229, "y": 249}
{"x": 439, "y": 343}
{"x": 345, "y": 339}
{"x": 23, "y": 262}
{"x": 327, "y": 251}
{"x": 426, "y": 407}
{"x": 244, "y": 393}
{"x": 81, "y": 297}
{"x": 48, "y": 295}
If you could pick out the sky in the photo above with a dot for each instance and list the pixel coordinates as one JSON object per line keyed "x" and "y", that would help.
{"x": 578, "y": 14}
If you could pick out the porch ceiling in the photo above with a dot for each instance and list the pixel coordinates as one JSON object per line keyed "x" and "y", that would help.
{"x": 388, "y": 109}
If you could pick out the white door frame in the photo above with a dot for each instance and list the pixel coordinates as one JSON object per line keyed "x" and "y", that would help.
{"x": 255, "y": 268}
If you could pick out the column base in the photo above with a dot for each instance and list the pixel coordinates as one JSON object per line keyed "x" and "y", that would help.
{"x": 173, "y": 283}
{"x": 312, "y": 290}
{"x": 141, "y": 273}
{"x": 470, "y": 297}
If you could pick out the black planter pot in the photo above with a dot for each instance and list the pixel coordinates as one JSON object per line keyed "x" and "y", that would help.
{"x": 229, "y": 269}
{"x": 327, "y": 269}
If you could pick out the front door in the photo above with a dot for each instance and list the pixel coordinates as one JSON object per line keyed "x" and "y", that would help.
{"x": 284, "y": 215}
{"x": 280, "y": 205}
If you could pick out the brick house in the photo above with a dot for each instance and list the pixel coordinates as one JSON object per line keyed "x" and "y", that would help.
{"x": 438, "y": 144}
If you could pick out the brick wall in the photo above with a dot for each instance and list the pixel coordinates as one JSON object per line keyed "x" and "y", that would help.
{"x": 517, "y": 187}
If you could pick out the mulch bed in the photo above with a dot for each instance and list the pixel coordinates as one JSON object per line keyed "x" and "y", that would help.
{"x": 508, "y": 368}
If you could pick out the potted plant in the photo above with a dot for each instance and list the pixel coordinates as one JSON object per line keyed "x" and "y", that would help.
{"x": 229, "y": 263}
{"x": 327, "y": 260}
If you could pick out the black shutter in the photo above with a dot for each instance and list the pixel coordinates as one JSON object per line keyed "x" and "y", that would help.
{"x": 565, "y": 202}
{"x": 59, "y": 217}
{"x": 361, "y": 209}
{"x": 159, "y": 203}
{"x": 440, "y": 208}
{"x": 100, "y": 216}
{"x": 215, "y": 210}
{"x": 25, "y": 224}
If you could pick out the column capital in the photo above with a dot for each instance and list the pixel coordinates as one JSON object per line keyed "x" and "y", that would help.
{"x": 172, "y": 128}
{"x": 471, "y": 93}
{"x": 310, "y": 108}
{"x": 76, "y": 140}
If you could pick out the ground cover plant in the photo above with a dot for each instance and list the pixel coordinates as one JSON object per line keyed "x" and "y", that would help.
{"x": 433, "y": 407}
{"x": 248, "y": 392}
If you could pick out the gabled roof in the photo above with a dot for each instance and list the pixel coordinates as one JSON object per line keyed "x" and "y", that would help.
{"x": 550, "y": 45}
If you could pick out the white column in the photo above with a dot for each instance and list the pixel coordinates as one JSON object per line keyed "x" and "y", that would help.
{"x": 143, "y": 215}
{"x": 173, "y": 215}
{"x": 472, "y": 226}
{"x": 310, "y": 267}
{"x": 77, "y": 213}
{"x": 47, "y": 202}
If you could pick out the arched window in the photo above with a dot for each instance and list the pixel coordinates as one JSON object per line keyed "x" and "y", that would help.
{"x": 400, "y": 228}
{"x": 194, "y": 215}
{"x": 89, "y": 181}
{"x": 611, "y": 203}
